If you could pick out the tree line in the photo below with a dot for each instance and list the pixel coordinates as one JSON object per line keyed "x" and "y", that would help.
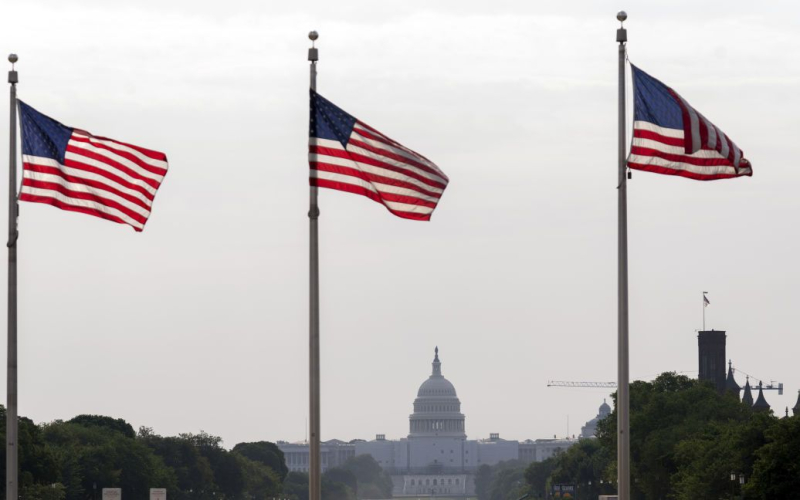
{"x": 76, "y": 459}
{"x": 687, "y": 442}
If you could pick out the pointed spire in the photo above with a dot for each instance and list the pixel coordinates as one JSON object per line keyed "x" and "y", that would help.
{"x": 730, "y": 382}
{"x": 747, "y": 397}
{"x": 796, "y": 409}
{"x": 761, "y": 403}
{"x": 437, "y": 365}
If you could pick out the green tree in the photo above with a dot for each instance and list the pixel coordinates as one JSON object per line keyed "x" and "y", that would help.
{"x": 98, "y": 455}
{"x": 706, "y": 460}
{"x": 585, "y": 465}
{"x": 114, "y": 424}
{"x": 334, "y": 490}
{"x": 267, "y": 453}
{"x": 507, "y": 484}
{"x": 228, "y": 475}
{"x": 373, "y": 482}
{"x": 776, "y": 471}
{"x": 38, "y": 465}
{"x": 260, "y": 481}
{"x": 342, "y": 475}
{"x": 193, "y": 473}
{"x": 537, "y": 475}
{"x": 55, "y": 491}
{"x": 483, "y": 481}
{"x": 295, "y": 485}
{"x": 664, "y": 413}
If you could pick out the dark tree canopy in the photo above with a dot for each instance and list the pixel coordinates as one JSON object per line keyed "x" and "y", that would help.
{"x": 74, "y": 460}
{"x": 686, "y": 440}
{"x": 266, "y": 453}
{"x": 114, "y": 424}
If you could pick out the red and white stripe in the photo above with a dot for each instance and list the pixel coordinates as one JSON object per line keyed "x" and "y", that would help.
{"x": 375, "y": 166}
{"x": 100, "y": 176}
{"x": 663, "y": 150}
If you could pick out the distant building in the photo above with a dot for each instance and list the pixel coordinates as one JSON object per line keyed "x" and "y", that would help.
{"x": 711, "y": 351}
{"x": 436, "y": 458}
{"x": 333, "y": 453}
{"x": 730, "y": 382}
{"x": 590, "y": 429}
{"x": 747, "y": 396}
{"x": 761, "y": 403}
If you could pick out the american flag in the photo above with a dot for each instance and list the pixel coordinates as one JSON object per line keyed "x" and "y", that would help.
{"x": 349, "y": 155}
{"x": 74, "y": 170}
{"x": 671, "y": 137}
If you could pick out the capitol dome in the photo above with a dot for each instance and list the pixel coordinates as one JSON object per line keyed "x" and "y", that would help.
{"x": 436, "y": 386}
{"x": 437, "y": 409}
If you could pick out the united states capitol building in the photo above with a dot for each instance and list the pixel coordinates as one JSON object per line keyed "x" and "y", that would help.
{"x": 436, "y": 458}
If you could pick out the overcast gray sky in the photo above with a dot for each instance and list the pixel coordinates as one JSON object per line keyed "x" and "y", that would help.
{"x": 200, "y": 322}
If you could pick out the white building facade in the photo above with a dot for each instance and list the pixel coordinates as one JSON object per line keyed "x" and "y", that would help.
{"x": 436, "y": 458}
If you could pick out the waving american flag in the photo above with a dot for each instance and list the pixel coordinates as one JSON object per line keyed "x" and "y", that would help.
{"x": 349, "y": 155}
{"x": 671, "y": 137}
{"x": 74, "y": 170}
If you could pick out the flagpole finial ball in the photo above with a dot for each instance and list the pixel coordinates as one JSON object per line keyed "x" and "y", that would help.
{"x": 622, "y": 16}
{"x": 313, "y": 35}
{"x": 12, "y": 58}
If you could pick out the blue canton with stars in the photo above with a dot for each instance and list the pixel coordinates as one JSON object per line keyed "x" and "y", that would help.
{"x": 329, "y": 121}
{"x": 41, "y": 135}
{"x": 653, "y": 102}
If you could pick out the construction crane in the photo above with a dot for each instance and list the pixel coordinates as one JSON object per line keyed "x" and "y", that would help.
{"x": 772, "y": 386}
{"x": 594, "y": 385}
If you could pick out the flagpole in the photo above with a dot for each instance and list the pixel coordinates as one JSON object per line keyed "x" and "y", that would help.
{"x": 12, "y": 469}
{"x": 704, "y": 311}
{"x": 314, "y": 471}
{"x": 623, "y": 388}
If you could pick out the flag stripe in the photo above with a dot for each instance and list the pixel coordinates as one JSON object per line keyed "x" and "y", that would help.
{"x": 65, "y": 202}
{"x": 370, "y": 142}
{"x": 376, "y": 166}
{"x": 375, "y": 188}
{"x": 695, "y": 159}
{"x": 97, "y": 156}
{"x": 161, "y": 158}
{"x": 82, "y": 192}
{"x": 93, "y": 182}
{"x": 381, "y": 184}
{"x": 80, "y": 170}
{"x": 682, "y": 172}
{"x": 388, "y": 157}
{"x": 352, "y": 188}
{"x": 661, "y": 150}
{"x": 152, "y": 165}
{"x": 119, "y": 176}
{"x": 659, "y": 165}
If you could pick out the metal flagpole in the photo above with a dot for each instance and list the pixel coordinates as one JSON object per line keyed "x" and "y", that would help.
{"x": 314, "y": 471}
{"x": 12, "y": 470}
{"x": 623, "y": 395}
{"x": 704, "y": 311}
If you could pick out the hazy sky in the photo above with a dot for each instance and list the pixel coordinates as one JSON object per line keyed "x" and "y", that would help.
{"x": 200, "y": 322}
